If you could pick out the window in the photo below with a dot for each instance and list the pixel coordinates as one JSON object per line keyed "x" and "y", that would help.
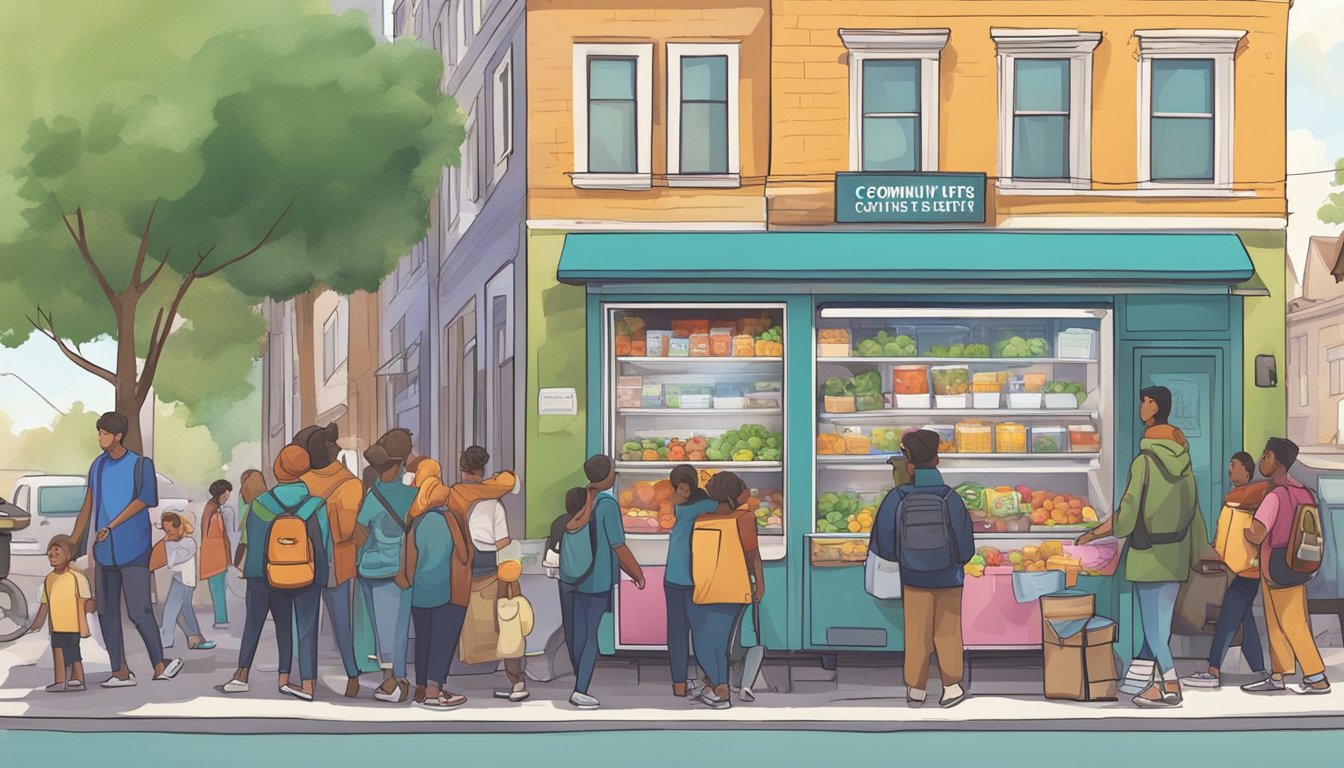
{"x": 60, "y": 501}
{"x": 1297, "y": 365}
{"x": 702, "y": 136}
{"x": 452, "y": 194}
{"x": 893, "y": 98}
{"x": 471, "y": 153}
{"x": 460, "y": 32}
{"x": 1334, "y": 356}
{"x": 613, "y": 116}
{"x": 501, "y": 429}
{"x": 389, "y": 19}
{"x": 335, "y": 343}
{"x": 501, "y": 100}
{"x": 477, "y": 14}
{"x": 460, "y": 377}
{"x": 1045, "y": 107}
{"x": 1185, "y": 105}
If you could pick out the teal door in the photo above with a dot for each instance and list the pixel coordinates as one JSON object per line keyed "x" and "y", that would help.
{"x": 1198, "y": 408}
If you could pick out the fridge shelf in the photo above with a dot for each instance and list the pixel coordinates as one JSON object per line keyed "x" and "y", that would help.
{"x": 983, "y": 413}
{"x": 700, "y": 411}
{"x": 948, "y": 467}
{"x": 1010, "y": 362}
{"x": 661, "y": 467}
{"x": 881, "y": 459}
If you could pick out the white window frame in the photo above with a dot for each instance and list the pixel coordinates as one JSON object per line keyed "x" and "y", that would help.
{"x": 389, "y": 19}
{"x": 922, "y": 45}
{"x": 461, "y": 38}
{"x": 1075, "y": 47}
{"x": 675, "y": 53}
{"x": 477, "y": 15}
{"x": 337, "y": 326}
{"x": 642, "y": 178}
{"x": 1220, "y": 45}
{"x": 501, "y": 108}
{"x": 471, "y": 156}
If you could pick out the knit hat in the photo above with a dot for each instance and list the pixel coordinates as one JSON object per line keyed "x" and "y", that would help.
{"x": 920, "y": 447}
{"x": 1284, "y": 450}
{"x": 291, "y": 464}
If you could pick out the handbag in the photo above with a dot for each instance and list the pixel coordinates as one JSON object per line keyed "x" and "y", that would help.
{"x": 881, "y": 578}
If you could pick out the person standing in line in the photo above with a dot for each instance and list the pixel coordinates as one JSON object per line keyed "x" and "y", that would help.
{"x": 383, "y": 520}
{"x": 122, "y": 487}
{"x": 436, "y": 570}
{"x": 1166, "y": 537}
{"x": 678, "y": 587}
{"x": 738, "y": 580}
{"x": 575, "y": 499}
{"x": 215, "y": 550}
{"x": 331, "y": 481}
{"x": 177, "y": 552}
{"x": 1240, "y": 598}
{"x": 1287, "y": 618}
{"x": 291, "y": 496}
{"x": 255, "y": 520}
{"x": 591, "y": 555}
{"x": 934, "y": 540}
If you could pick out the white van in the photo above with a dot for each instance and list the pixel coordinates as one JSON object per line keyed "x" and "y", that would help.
{"x": 54, "y": 502}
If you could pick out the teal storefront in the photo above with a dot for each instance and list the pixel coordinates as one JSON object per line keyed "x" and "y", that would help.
{"x": 1109, "y": 313}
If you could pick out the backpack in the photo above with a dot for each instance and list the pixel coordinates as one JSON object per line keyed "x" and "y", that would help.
{"x": 718, "y": 564}
{"x": 592, "y": 543}
{"x": 921, "y": 532}
{"x": 1296, "y": 564}
{"x": 1140, "y": 538}
{"x": 294, "y": 550}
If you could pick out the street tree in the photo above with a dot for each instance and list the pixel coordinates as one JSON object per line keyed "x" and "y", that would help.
{"x": 164, "y": 166}
{"x": 1332, "y": 212}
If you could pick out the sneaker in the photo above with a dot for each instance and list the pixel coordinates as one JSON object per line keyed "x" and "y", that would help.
{"x": 224, "y": 625}
{"x": 297, "y": 693}
{"x": 236, "y": 686}
{"x": 519, "y": 693}
{"x": 399, "y": 693}
{"x": 445, "y": 700}
{"x": 952, "y": 696}
{"x": 117, "y": 682}
{"x": 170, "y": 670}
{"x": 1268, "y": 685}
{"x": 204, "y": 645}
{"x": 74, "y": 685}
{"x": 1317, "y": 688}
{"x": 1157, "y": 696}
{"x": 717, "y": 698}
{"x": 1203, "y": 680}
{"x": 55, "y": 688}
{"x": 746, "y": 694}
{"x": 1137, "y": 677}
{"x": 584, "y": 701}
{"x": 915, "y": 697}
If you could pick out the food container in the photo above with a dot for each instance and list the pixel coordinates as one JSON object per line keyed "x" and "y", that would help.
{"x": 1049, "y": 439}
{"x": 1033, "y": 382}
{"x": 931, "y": 336}
{"x": 1010, "y": 437}
{"x": 699, "y": 345}
{"x": 947, "y": 436}
{"x": 1002, "y": 503}
{"x": 729, "y": 403}
{"x": 630, "y": 392}
{"x": 858, "y": 445}
{"x": 652, "y": 396}
{"x": 1061, "y": 402}
{"x": 1024, "y": 401}
{"x": 771, "y": 400}
{"x": 910, "y": 380}
{"x": 974, "y": 437}
{"x": 721, "y": 342}
{"x": 1084, "y": 438}
{"x": 830, "y": 444}
{"x": 833, "y": 342}
{"x": 744, "y": 346}
{"x": 657, "y": 343}
{"x": 697, "y": 402}
{"x": 639, "y": 347}
{"x": 831, "y": 404}
{"x": 678, "y": 347}
{"x": 950, "y": 385}
{"x": 1076, "y": 344}
{"x": 687, "y": 328}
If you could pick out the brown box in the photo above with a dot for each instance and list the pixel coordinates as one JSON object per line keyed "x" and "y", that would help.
{"x": 1080, "y": 666}
{"x": 1068, "y": 605}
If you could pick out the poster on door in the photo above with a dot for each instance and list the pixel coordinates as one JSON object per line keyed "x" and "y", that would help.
{"x": 1186, "y": 410}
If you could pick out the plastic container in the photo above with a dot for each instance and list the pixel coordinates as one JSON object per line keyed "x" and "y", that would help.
{"x": 697, "y": 402}
{"x": 930, "y": 336}
{"x": 721, "y": 342}
{"x": 630, "y": 392}
{"x": 986, "y": 401}
{"x": 1084, "y": 438}
{"x": 1010, "y": 437}
{"x": 974, "y": 437}
{"x": 1049, "y": 439}
{"x": 1024, "y": 401}
{"x": 1061, "y": 402}
{"x": 744, "y": 346}
{"x": 652, "y": 396}
{"x": 1076, "y": 344}
{"x": 831, "y": 404}
{"x": 833, "y": 342}
{"x": 910, "y": 380}
{"x": 951, "y": 380}
{"x": 771, "y": 400}
{"x": 699, "y": 345}
{"x": 729, "y": 403}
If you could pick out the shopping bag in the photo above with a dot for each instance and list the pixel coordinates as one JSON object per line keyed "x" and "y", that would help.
{"x": 1195, "y": 603}
{"x": 881, "y": 578}
{"x": 1239, "y": 555}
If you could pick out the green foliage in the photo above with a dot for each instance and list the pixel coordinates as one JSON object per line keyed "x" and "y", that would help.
{"x": 1332, "y": 212}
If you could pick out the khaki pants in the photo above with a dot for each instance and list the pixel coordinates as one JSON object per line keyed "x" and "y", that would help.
{"x": 932, "y": 623}
{"x": 1288, "y": 625}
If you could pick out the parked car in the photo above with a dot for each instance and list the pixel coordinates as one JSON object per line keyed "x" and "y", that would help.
{"x": 54, "y": 502}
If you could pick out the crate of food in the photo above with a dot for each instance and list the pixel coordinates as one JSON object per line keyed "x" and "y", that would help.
{"x": 838, "y": 404}
{"x": 1065, "y": 395}
{"x": 1076, "y": 344}
{"x": 630, "y": 392}
{"x": 721, "y": 342}
{"x": 833, "y": 342}
{"x": 951, "y": 383}
{"x": 1049, "y": 439}
{"x": 1084, "y": 438}
{"x": 974, "y": 436}
{"x": 1010, "y": 437}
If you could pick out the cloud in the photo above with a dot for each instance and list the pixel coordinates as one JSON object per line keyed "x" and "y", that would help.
{"x": 1321, "y": 19}
{"x": 1306, "y": 193}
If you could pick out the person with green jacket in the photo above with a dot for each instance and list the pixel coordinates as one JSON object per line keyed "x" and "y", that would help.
{"x": 1160, "y": 519}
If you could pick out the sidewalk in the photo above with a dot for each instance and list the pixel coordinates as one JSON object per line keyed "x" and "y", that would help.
{"x": 862, "y": 694}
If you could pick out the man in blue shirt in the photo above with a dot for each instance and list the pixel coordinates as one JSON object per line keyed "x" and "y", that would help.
{"x": 121, "y": 490}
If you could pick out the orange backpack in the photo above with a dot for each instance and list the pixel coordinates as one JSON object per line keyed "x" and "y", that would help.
{"x": 293, "y": 550}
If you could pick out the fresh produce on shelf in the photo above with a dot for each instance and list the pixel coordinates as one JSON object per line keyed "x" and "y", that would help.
{"x": 832, "y": 335}
{"x": 770, "y": 343}
{"x": 866, "y": 389}
{"x": 1047, "y": 556}
{"x": 750, "y": 442}
{"x": 834, "y": 552}
{"x": 646, "y": 507}
{"x": 973, "y": 494}
{"x": 952, "y": 380}
{"x": 768, "y": 507}
{"x": 976, "y": 567}
{"x": 846, "y": 512}
{"x": 1016, "y": 347}
{"x": 958, "y": 350}
{"x": 1050, "y": 508}
{"x": 887, "y": 440}
{"x": 830, "y": 444}
{"x": 836, "y": 386}
{"x": 1067, "y": 388}
{"x": 886, "y": 345}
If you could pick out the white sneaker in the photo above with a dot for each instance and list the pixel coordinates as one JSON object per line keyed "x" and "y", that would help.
{"x": 170, "y": 670}
{"x": 1138, "y": 677}
{"x": 1202, "y": 680}
{"x": 116, "y": 682}
{"x": 1304, "y": 689}
{"x": 952, "y": 696}
{"x": 584, "y": 701}
{"x": 236, "y": 686}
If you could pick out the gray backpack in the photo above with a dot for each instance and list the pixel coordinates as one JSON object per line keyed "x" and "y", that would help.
{"x": 925, "y": 533}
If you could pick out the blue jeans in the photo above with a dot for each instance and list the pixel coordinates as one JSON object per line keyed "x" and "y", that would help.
{"x": 219, "y": 595}
{"x": 437, "y": 632}
{"x": 178, "y": 606}
{"x": 567, "y": 621}
{"x": 391, "y": 609}
{"x": 1237, "y": 613}
{"x": 678, "y": 630}
{"x": 305, "y": 607}
{"x": 588, "y": 611}
{"x": 712, "y": 630}
{"x": 338, "y": 600}
{"x": 256, "y": 604}
{"x": 1157, "y": 606}
{"x": 129, "y": 583}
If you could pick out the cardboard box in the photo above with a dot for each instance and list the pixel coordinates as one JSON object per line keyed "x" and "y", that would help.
{"x": 1079, "y": 658}
{"x": 1069, "y": 604}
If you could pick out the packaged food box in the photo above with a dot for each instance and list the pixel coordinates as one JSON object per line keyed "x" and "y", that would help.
{"x": 700, "y": 345}
{"x": 721, "y": 342}
{"x": 630, "y": 392}
{"x": 974, "y": 437}
{"x": 687, "y": 328}
{"x": 773, "y": 400}
{"x": 678, "y": 346}
{"x": 729, "y": 403}
{"x": 858, "y": 445}
{"x": 1049, "y": 439}
{"x": 1076, "y": 344}
{"x": 1002, "y": 503}
{"x": 832, "y": 404}
{"x": 1010, "y": 437}
{"x": 1083, "y": 438}
{"x": 1033, "y": 382}
{"x": 744, "y": 346}
{"x": 652, "y": 396}
{"x": 697, "y": 402}
{"x": 657, "y": 343}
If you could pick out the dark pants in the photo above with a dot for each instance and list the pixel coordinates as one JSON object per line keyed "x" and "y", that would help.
{"x": 713, "y": 627}
{"x": 339, "y": 604}
{"x": 567, "y": 621}
{"x": 256, "y": 604}
{"x": 1237, "y": 612}
{"x": 678, "y": 630}
{"x": 305, "y": 607}
{"x": 68, "y": 644}
{"x": 588, "y": 611}
{"x": 129, "y": 583}
{"x": 437, "y": 631}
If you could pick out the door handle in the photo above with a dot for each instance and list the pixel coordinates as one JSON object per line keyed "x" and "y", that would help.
{"x": 45, "y": 522}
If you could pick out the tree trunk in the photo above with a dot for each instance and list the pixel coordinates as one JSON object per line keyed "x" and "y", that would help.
{"x": 126, "y": 406}
{"x": 127, "y": 370}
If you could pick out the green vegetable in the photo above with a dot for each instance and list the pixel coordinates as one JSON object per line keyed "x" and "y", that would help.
{"x": 868, "y": 383}
{"x": 631, "y": 445}
{"x": 837, "y": 387}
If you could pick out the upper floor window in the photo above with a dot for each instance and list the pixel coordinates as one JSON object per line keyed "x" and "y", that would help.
{"x": 335, "y": 340}
{"x": 702, "y": 136}
{"x": 460, "y": 32}
{"x": 893, "y": 96}
{"x": 501, "y": 113}
{"x": 1185, "y": 106}
{"x": 613, "y": 115}
{"x": 1045, "y": 106}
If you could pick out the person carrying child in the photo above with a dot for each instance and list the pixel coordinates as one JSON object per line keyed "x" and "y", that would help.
{"x": 64, "y": 606}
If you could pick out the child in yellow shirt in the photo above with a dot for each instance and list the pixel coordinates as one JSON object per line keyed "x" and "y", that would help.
{"x": 66, "y": 601}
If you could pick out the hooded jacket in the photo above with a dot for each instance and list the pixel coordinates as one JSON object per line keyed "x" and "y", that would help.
{"x": 344, "y": 494}
{"x": 1169, "y": 505}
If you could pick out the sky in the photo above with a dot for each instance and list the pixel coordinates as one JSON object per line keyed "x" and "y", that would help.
{"x": 1315, "y": 141}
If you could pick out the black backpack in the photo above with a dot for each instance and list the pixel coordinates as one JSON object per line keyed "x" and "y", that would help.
{"x": 924, "y": 538}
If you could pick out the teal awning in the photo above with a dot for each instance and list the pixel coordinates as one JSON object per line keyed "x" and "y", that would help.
{"x": 622, "y": 257}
